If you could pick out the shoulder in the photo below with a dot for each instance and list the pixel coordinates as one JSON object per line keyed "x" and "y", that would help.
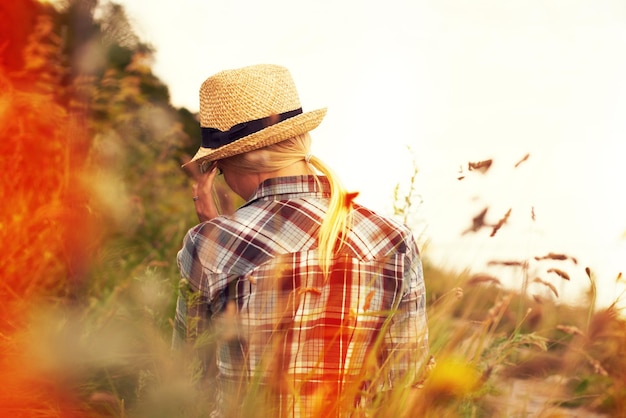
{"x": 255, "y": 233}
{"x": 223, "y": 245}
{"x": 368, "y": 221}
{"x": 379, "y": 235}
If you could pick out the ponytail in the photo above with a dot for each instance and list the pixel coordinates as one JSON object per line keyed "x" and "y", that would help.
{"x": 335, "y": 223}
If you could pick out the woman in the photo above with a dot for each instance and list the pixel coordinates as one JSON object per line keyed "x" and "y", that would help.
{"x": 316, "y": 302}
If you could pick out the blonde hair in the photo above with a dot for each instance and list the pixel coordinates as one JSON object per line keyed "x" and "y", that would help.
{"x": 284, "y": 153}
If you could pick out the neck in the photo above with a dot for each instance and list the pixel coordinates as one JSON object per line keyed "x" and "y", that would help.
{"x": 246, "y": 183}
{"x": 299, "y": 168}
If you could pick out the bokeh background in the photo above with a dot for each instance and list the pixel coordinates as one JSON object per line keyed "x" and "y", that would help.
{"x": 437, "y": 111}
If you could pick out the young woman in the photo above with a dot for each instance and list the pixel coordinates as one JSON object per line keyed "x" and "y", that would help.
{"x": 317, "y": 304}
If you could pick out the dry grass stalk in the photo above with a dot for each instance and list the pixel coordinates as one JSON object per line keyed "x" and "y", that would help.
{"x": 497, "y": 310}
{"x": 501, "y": 222}
{"x": 481, "y": 166}
{"x": 556, "y": 256}
{"x": 478, "y": 222}
{"x": 313, "y": 290}
{"x": 508, "y": 263}
{"x": 597, "y": 367}
{"x": 547, "y": 284}
{"x": 559, "y": 272}
{"x": 524, "y": 158}
{"x": 457, "y": 292}
{"x": 483, "y": 278}
{"x": 570, "y": 329}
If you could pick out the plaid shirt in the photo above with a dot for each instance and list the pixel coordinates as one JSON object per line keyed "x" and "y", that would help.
{"x": 310, "y": 343}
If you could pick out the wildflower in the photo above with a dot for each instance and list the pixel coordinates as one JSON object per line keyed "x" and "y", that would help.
{"x": 452, "y": 377}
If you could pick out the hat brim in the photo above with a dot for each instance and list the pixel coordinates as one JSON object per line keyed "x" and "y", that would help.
{"x": 273, "y": 134}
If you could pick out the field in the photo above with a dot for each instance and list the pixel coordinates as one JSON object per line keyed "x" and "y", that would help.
{"x": 94, "y": 210}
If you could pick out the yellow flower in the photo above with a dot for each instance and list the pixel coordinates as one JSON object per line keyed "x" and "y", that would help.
{"x": 452, "y": 377}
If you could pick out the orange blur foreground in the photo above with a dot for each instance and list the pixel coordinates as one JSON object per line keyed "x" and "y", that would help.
{"x": 46, "y": 225}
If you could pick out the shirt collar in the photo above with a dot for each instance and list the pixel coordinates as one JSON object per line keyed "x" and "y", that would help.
{"x": 280, "y": 188}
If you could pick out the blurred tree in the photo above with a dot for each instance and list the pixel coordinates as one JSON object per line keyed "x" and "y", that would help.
{"x": 13, "y": 37}
{"x": 116, "y": 28}
{"x": 139, "y": 140}
{"x": 48, "y": 231}
{"x": 99, "y": 71}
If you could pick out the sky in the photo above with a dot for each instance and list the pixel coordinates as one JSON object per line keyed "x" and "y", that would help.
{"x": 436, "y": 84}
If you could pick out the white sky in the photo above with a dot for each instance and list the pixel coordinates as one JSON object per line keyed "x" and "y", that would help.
{"x": 457, "y": 81}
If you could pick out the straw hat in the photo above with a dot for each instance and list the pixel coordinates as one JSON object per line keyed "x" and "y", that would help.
{"x": 249, "y": 108}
